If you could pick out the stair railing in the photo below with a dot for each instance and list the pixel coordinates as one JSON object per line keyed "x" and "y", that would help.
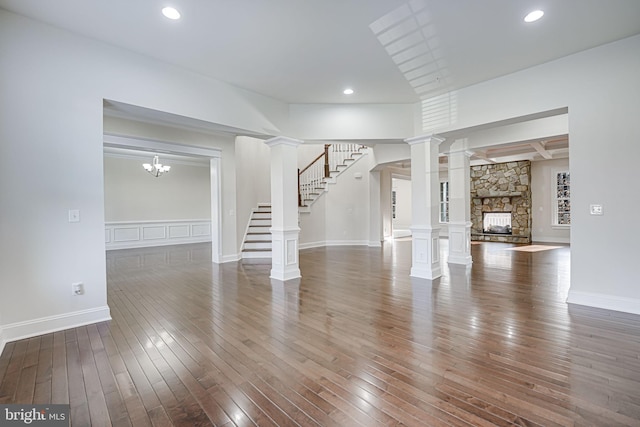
{"x": 311, "y": 179}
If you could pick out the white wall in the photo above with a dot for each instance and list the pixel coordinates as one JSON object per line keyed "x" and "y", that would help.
{"x": 131, "y": 194}
{"x": 402, "y": 187}
{"x": 347, "y": 207}
{"x": 351, "y": 121}
{"x": 385, "y": 202}
{"x": 253, "y": 179}
{"x": 341, "y": 215}
{"x": 307, "y": 152}
{"x": 313, "y": 225}
{"x": 543, "y": 180}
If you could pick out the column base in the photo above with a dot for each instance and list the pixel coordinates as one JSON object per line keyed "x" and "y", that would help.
{"x": 425, "y": 253}
{"x": 284, "y": 254}
{"x": 460, "y": 243}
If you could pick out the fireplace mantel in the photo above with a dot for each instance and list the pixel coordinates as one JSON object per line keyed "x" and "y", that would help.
{"x": 496, "y": 196}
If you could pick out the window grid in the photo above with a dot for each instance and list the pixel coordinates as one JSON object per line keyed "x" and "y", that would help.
{"x": 444, "y": 202}
{"x": 563, "y": 199}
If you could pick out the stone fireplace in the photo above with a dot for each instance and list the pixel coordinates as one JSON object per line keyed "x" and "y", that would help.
{"x": 503, "y": 190}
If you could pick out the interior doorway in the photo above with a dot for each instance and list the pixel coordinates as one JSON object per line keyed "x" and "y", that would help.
{"x": 401, "y": 206}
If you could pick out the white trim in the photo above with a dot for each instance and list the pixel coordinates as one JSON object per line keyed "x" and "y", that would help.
{"x": 608, "y": 302}
{"x": 142, "y": 234}
{"x": 231, "y": 258}
{"x": 339, "y": 243}
{"x": 46, "y": 325}
{"x": 2, "y": 340}
{"x": 551, "y": 239}
{"x": 215, "y": 172}
{"x": 151, "y": 145}
{"x": 146, "y": 156}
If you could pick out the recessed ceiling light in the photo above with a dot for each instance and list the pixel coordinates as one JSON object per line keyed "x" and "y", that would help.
{"x": 348, "y": 91}
{"x": 171, "y": 13}
{"x": 533, "y": 16}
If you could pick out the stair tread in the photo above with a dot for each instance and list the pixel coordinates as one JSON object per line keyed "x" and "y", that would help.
{"x": 257, "y": 250}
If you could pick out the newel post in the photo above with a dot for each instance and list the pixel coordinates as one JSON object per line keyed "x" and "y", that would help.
{"x": 327, "y": 169}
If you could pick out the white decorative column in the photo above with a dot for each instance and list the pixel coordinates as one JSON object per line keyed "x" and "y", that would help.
{"x": 284, "y": 208}
{"x": 216, "y": 209}
{"x": 459, "y": 204}
{"x": 375, "y": 217}
{"x": 425, "y": 200}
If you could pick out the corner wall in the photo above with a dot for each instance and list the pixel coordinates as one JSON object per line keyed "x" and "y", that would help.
{"x": 604, "y": 130}
{"x": 59, "y": 80}
{"x": 542, "y": 199}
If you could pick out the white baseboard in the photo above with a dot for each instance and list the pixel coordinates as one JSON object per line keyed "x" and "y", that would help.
{"x": 401, "y": 232}
{"x": 335, "y": 243}
{"x": 550, "y": 239}
{"x": 46, "y": 325}
{"x": 608, "y": 302}
{"x": 230, "y": 258}
{"x": 311, "y": 245}
{"x": 2, "y": 341}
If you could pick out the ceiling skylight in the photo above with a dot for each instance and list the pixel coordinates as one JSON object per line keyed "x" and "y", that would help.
{"x": 533, "y": 16}
{"x": 171, "y": 13}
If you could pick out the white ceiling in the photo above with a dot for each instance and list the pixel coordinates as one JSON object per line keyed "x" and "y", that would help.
{"x": 389, "y": 51}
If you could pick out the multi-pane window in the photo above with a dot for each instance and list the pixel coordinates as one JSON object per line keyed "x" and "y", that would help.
{"x": 563, "y": 199}
{"x": 444, "y": 202}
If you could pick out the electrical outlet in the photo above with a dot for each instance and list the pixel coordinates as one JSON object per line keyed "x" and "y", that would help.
{"x": 74, "y": 215}
{"x": 596, "y": 209}
{"x": 77, "y": 288}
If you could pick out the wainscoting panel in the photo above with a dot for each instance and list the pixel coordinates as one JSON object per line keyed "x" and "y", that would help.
{"x": 140, "y": 234}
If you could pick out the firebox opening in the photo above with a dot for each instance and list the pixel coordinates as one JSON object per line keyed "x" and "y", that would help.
{"x": 496, "y": 223}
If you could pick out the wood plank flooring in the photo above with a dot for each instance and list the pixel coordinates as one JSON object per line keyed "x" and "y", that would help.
{"x": 356, "y": 342}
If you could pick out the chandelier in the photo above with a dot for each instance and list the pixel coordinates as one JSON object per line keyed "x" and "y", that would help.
{"x": 156, "y": 168}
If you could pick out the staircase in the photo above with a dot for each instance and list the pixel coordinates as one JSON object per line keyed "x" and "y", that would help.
{"x": 257, "y": 242}
{"x": 312, "y": 182}
{"x": 314, "y": 179}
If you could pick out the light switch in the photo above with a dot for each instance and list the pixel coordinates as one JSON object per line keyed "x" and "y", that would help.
{"x": 596, "y": 210}
{"x": 74, "y": 215}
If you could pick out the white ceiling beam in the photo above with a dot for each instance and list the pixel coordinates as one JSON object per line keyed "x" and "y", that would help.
{"x": 483, "y": 156}
{"x": 539, "y": 147}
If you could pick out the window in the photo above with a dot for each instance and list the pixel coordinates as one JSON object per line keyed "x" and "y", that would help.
{"x": 393, "y": 204}
{"x": 562, "y": 214}
{"x": 444, "y": 201}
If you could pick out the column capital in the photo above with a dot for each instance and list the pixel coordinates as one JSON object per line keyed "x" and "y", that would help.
{"x": 467, "y": 153}
{"x": 430, "y": 139}
{"x": 460, "y": 146}
{"x": 283, "y": 140}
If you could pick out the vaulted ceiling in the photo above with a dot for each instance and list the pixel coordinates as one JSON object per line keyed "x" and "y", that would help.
{"x": 388, "y": 51}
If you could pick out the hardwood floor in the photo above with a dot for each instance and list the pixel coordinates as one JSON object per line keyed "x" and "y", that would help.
{"x": 355, "y": 342}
